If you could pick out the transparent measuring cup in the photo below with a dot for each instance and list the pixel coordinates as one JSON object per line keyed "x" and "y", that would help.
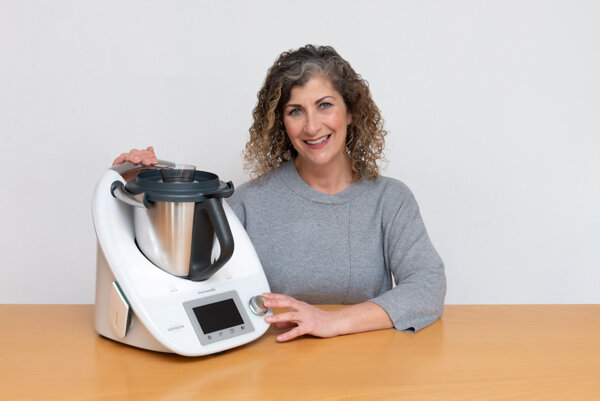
{"x": 178, "y": 173}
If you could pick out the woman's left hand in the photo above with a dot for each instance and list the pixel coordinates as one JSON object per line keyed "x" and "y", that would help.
{"x": 303, "y": 317}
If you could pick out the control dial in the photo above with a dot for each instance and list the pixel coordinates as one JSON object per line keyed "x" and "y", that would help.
{"x": 257, "y": 305}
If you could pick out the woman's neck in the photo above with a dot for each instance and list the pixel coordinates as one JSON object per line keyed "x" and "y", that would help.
{"x": 330, "y": 179}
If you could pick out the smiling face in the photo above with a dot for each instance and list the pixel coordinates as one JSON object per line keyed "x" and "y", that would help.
{"x": 316, "y": 120}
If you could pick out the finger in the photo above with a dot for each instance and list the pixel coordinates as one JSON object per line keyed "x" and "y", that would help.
{"x": 123, "y": 157}
{"x": 149, "y": 156}
{"x": 281, "y": 304}
{"x": 272, "y": 295}
{"x": 280, "y": 301}
{"x": 292, "y": 317}
{"x": 119, "y": 159}
{"x": 293, "y": 333}
{"x": 148, "y": 160}
{"x": 145, "y": 157}
{"x": 134, "y": 156}
{"x": 285, "y": 325}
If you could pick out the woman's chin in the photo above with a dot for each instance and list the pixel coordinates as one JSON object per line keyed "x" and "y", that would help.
{"x": 323, "y": 160}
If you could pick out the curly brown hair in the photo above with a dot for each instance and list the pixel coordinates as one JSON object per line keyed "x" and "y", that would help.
{"x": 269, "y": 146}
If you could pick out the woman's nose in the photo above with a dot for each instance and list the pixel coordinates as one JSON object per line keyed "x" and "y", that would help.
{"x": 312, "y": 123}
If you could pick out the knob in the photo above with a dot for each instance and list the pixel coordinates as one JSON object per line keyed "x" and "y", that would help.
{"x": 257, "y": 305}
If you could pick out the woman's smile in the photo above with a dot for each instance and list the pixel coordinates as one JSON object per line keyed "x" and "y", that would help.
{"x": 319, "y": 143}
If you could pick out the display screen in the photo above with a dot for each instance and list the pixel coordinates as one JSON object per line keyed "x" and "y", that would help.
{"x": 218, "y": 316}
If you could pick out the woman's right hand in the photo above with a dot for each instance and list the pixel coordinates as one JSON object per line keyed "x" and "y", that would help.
{"x": 137, "y": 156}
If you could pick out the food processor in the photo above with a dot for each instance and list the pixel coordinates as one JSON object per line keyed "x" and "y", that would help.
{"x": 176, "y": 271}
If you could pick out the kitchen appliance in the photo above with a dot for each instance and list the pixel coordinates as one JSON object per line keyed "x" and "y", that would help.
{"x": 176, "y": 271}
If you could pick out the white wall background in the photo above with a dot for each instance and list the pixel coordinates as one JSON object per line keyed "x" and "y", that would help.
{"x": 492, "y": 107}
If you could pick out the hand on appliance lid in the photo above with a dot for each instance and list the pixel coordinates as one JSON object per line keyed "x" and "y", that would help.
{"x": 138, "y": 156}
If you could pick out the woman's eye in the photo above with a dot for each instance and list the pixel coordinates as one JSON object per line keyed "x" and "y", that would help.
{"x": 325, "y": 105}
{"x": 294, "y": 112}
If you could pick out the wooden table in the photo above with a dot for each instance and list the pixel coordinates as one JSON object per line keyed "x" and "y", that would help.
{"x": 549, "y": 352}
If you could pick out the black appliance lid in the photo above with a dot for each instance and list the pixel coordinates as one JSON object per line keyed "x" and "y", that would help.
{"x": 205, "y": 185}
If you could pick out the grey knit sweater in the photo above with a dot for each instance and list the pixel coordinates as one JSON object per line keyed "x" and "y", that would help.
{"x": 344, "y": 248}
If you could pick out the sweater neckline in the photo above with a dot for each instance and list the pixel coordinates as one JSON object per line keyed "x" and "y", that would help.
{"x": 294, "y": 181}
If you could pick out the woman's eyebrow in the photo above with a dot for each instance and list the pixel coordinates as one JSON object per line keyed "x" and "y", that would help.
{"x": 323, "y": 98}
{"x": 319, "y": 100}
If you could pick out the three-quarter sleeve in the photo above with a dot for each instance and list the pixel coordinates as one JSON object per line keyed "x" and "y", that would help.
{"x": 417, "y": 300}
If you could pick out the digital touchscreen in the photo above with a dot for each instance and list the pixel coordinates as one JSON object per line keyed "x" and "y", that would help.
{"x": 218, "y": 316}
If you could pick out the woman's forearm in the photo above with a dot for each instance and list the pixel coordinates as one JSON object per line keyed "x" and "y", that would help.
{"x": 366, "y": 316}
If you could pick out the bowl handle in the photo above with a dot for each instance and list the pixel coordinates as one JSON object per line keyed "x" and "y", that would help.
{"x": 214, "y": 209}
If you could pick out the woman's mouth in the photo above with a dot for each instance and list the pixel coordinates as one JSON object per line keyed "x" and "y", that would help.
{"x": 318, "y": 143}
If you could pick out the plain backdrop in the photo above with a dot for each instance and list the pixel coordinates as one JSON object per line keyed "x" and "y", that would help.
{"x": 492, "y": 108}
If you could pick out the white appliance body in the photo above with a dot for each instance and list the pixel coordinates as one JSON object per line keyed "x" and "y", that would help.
{"x": 139, "y": 304}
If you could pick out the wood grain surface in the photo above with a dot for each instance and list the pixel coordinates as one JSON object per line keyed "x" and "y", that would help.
{"x": 475, "y": 352}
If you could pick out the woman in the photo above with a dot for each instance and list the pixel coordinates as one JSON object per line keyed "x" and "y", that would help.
{"x": 327, "y": 228}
